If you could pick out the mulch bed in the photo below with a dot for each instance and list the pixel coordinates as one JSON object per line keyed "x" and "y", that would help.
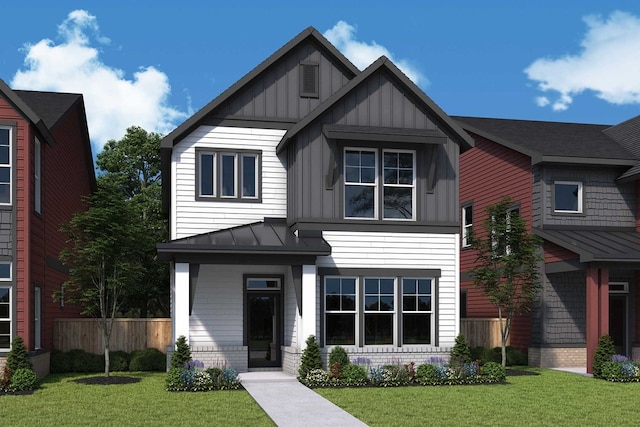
{"x": 102, "y": 380}
{"x": 16, "y": 393}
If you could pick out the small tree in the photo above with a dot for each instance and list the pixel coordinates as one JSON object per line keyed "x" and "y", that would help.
{"x": 18, "y": 357}
{"x": 460, "y": 352}
{"x": 506, "y": 268}
{"x": 603, "y": 354}
{"x": 311, "y": 358}
{"x": 182, "y": 353}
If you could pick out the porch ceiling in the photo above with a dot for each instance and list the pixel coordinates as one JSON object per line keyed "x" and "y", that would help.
{"x": 270, "y": 237}
{"x": 596, "y": 245}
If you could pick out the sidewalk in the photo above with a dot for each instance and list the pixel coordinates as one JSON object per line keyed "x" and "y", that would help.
{"x": 289, "y": 403}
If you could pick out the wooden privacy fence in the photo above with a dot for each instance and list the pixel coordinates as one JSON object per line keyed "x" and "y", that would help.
{"x": 128, "y": 335}
{"x": 481, "y": 332}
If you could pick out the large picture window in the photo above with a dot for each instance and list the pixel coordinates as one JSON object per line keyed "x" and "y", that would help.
{"x": 5, "y": 165}
{"x": 228, "y": 176}
{"x": 366, "y": 182}
{"x": 364, "y": 310}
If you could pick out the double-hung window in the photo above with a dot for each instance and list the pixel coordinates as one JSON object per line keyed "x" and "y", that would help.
{"x": 340, "y": 310}
{"x": 5, "y": 165}
{"x": 417, "y": 311}
{"x": 467, "y": 225}
{"x": 228, "y": 176}
{"x": 5, "y": 306}
{"x": 369, "y": 178}
{"x": 379, "y": 309}
{"x": 37, "y": 176}
{"x": 567, "y": 197}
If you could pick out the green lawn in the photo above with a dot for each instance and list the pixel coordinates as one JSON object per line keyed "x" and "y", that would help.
{"x": 549, "y": 399}
{"x": 61, "y": 402}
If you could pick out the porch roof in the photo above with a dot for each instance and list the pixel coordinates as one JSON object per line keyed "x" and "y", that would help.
{"x": 268, "y": 237}
{"x": 596, "y": 245}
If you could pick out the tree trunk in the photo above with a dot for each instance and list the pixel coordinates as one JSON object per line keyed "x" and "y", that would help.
{"x": 503, "y": 336}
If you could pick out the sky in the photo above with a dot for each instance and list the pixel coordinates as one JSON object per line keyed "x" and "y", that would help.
{"x": 155, "y": 63}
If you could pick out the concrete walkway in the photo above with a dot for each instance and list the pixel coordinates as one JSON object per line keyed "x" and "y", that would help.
{"x": 289, "y": 403}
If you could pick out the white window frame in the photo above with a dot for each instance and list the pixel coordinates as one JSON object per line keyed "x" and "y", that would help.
{"x": 9, "y": 165}
{"x": 580, "y": 197}
{"x": 412, "y": 185}
{"x": 466, "y": 226}
{"x": 354, "y": 312}
{"x": 375, "y": 184}
{"x": 393, "y": 312}
{"x": 37, "y": 176}
{"x": 8, "y": 286}
{"x": 429, "y": 313}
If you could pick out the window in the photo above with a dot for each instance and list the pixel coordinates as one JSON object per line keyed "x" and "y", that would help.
{"x": 37, "y": 173}
{"x": 379, "y": 311}
{"x": 363, "y": 310}
{"x": 499, "y": 239}
{"x": 416, "y": 311}
{"x": 340, "y": 310}
{"x": 467, "y": 225}
{"x": 618, "y": 287}
{"x": 567, "y": 197}
{"x": 223, "y": 175}
{"x": 5, "y": 165}
{"x": 362, "y": 191}
{"x": 263, "y": 284}
{"x": 5, "y": 306}
{"x": 309, "y": 80}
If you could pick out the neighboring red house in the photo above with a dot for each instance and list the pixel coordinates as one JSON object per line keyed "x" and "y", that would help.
{"x": 46, "y": 167}
{"x": 576, "y": 186}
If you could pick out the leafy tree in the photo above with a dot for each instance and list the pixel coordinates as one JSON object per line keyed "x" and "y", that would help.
{"x": 132, "y": 167}
{"x": 102, "y": 258}
{"x": 506, "y": 268}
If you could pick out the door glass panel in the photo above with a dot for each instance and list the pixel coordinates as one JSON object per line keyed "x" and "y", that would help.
{"x": 264, "y": 348}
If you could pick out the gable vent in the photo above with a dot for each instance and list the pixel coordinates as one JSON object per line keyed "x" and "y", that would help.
{"x": 309, "y": 80}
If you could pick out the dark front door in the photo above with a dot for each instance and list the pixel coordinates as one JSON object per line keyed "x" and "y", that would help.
{"x": 618, "y": 322}
{"x": 264, "y": 329}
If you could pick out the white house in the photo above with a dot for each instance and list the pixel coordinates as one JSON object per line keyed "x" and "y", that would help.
{"x": 311, "y": 198}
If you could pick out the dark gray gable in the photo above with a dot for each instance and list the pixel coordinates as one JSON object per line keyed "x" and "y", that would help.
{"x": 270, "y": 92}
{"x": 381, "y": 96}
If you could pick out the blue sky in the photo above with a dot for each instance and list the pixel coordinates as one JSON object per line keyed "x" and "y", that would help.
{"x": 154, "y": 63}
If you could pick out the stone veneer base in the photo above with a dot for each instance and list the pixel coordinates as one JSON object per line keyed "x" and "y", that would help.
{"x": 558, "y": 357}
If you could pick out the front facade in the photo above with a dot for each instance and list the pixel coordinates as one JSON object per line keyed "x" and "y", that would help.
{"x": 576, "y": 187}
{"x": 46, "y": 168}
{"x": 311, "y": 198}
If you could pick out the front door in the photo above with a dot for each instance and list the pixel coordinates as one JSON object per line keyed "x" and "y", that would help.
{"x": 618, "y": 322}
{"x": 263, "y": 328}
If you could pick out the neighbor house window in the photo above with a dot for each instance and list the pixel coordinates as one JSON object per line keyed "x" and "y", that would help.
{"x": 5, "y": 165}
{"x": 228, "y": 176}
{"x": 467, "y": 225}
{"x": 364, "y": 310}
{"x": 365, "y": 183}
{"x": 340, "y": 310}
{"x": 5, "y": 306}
{"x": 416, "y": 311}
{"x": 567, "y": 197}
{"x": 37, "y": 176}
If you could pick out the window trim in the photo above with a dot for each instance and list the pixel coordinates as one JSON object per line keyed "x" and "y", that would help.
{"x": 37, "y": 176}
{"x": 218, "y": 155}
{"x": 394, "y": 312}
{"x": 355, "y": 312}
{"x": 412, "y": 186}
{"x": 430, "y": 313}
{"x": 467, "y": 228}
{"x": 580, "y": 207}
{"x": 375, "y": 184}
{"x": 9, "y": 165}
{"x": 9, "y": 319}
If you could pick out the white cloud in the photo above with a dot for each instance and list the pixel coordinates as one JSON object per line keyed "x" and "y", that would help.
{"x": 608, "y": 64}
{"x": 362, "y": 54}
{"x": 112, "y": 101}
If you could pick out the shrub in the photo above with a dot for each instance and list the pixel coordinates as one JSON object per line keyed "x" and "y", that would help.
{"x": 18, "y": 358}
{"x": 84, "y": 362}
{"x": 493, "y": 372}
{"x": 354, "y": 375}
{"x": 316, "y": 378}
{"x": 604, "y": 353}
{"x": 460, "y": 353}
{"x": 426, "y": 374}
{"x": 485, "y": 355}
{"x": 23, "y": 379}
{"x": 118, "y": 361}
{"x": 60, "y": 362}
{"x": 229, "y": 379}
{"x": 311, "y": 358}
{"x": 149, "y": 359}
{"x": 516, "y": 357}
{"x": 174, "y": 380}
{"x": 394, "y": 375}
{"x": 338, "y": 355}
{"x": 181, "y": 354}
{"x": 5, "y": 378}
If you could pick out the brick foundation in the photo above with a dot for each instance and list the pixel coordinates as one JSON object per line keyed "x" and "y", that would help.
{"x": 558, "y": 357}
{"x": 232, "y": 356}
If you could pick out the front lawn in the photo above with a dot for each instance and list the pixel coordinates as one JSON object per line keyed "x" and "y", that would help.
{"x": 62, "y": 402}
{"x": 550, "y": 399}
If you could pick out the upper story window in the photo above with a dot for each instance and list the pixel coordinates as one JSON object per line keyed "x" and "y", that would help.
{"x": 365, "y": 183}
{"x": 567, "y": 197}
{"x": 37, "y": 176}
{"x": 228, "y": 176}
{"x": 5, "y": 165}
{"x": 467, "y": 225}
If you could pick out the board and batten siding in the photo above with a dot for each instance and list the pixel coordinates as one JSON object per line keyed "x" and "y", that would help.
{"x": 193, "y": 216}
{"x": 217, "y": 317}
{"x": 404, "y": 251}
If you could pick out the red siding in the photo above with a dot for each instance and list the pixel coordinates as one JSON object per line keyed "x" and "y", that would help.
{"x": 555, "y": 253}
{"x": 489, "y": 172}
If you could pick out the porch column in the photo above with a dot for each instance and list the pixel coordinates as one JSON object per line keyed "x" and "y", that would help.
{"x": 597, "y": 310}
{"x": 309, "y": 312}
{"x": 181, "y": 301}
